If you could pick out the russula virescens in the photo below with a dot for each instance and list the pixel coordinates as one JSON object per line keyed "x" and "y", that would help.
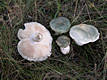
{"x": 60, "y": 25}
{"x": 83, "y": 34}
{"x": 64, "y": 43}
{"x": 35, "y": 42}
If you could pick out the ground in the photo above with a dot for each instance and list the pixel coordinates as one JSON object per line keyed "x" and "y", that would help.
{"x": 88, "y": 62}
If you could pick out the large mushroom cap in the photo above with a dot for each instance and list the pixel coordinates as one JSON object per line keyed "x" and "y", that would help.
{"x": 33, "y": 52}
{"x": 60, "y": 24}
{"x": 36, "y": 42}
{"x": 83, "y": 34}
{"x": 63, "y": 41}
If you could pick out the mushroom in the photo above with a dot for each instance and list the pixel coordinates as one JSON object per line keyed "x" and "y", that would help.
{"x": 83, "y": 34}
{"x": 35, "y": 42}
{"x": 60, "y": 25}
{"x": 64, "y": 43}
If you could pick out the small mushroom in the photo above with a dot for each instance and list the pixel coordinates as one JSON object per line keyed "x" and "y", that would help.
{"x": 64, "y": 43}
{"x": 35, "y": 42}
{"x": 83, "y": 34}
{"x": 60, "y": 25}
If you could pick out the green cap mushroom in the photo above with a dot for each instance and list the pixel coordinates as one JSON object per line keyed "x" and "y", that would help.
{"x": 60, "y": 25}
{"x": 83, "y": 34}
{"x": 64, "y": 43}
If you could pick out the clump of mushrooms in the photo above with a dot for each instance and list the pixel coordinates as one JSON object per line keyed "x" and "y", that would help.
{"x": 83, "y": 34}
{"x": 64, "y": 43}
{"x": 35, "y": 42}
{"x": 60, "y": 25}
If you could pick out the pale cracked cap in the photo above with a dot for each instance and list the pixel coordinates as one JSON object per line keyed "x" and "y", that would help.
{"x": 36, "y": 42}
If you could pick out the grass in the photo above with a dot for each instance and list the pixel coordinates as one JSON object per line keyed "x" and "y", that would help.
{"x": 88, "y": 62}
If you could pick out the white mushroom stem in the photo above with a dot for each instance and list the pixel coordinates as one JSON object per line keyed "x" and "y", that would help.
{"x": 65, "y": 50}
